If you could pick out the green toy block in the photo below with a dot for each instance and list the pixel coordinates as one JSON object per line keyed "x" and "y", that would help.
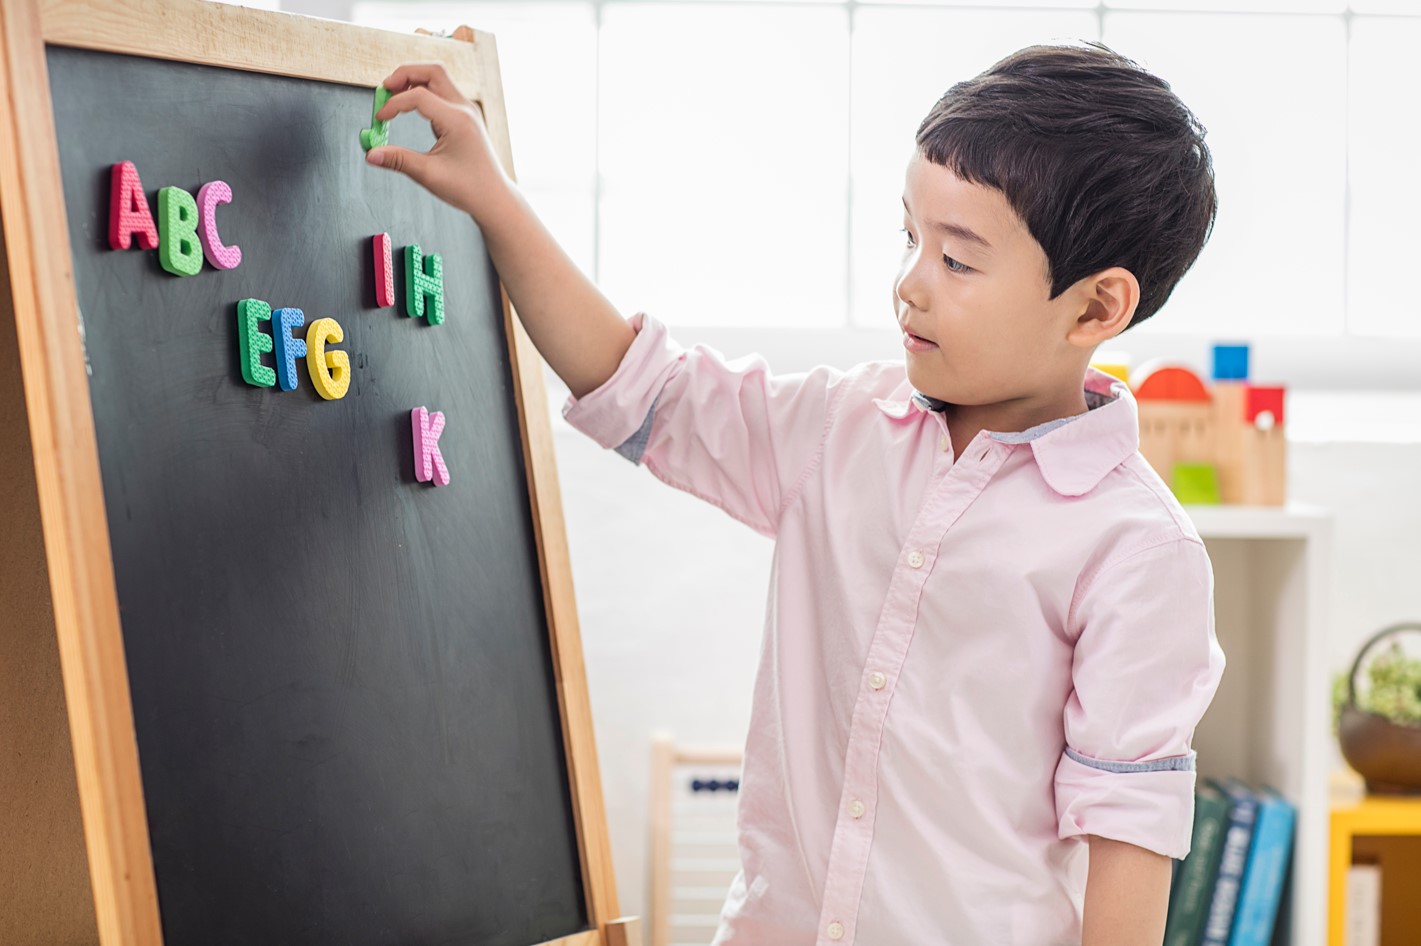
{"x": 424, "y": 285}
{"x": 1196, "y": 484}
{"x": 378, "y": 134}
{"x": 252, "y": 342}
{"x": 179, "y": 249}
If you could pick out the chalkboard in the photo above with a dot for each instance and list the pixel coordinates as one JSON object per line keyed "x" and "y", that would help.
{"x": 347, "y": 708}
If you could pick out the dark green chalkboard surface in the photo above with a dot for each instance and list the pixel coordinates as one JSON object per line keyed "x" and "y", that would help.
{"x": 346, "y": 715}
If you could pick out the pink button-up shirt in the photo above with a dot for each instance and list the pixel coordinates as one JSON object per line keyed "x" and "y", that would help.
{"x": 969, "y": 663}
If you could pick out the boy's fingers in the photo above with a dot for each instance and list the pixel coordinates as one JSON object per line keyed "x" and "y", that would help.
{"x": 398, "y": 159}
{"x": 417, "y": 99}
{"x": 431, "y": 75}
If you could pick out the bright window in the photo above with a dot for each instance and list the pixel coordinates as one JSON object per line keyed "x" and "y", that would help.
{"x": 738, "y": 165}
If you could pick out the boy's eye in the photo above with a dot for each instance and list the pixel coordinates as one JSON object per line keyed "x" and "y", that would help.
{"x": 954, "y": 266}
{"x": 909, "y": 236}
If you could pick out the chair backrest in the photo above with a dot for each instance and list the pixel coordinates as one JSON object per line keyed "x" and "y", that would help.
{"x": 694, "y": 856}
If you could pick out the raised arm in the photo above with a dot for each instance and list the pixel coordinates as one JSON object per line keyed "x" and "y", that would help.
{"x": 572, "y": 324}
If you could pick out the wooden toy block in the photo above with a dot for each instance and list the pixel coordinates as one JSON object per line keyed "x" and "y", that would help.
{"x": 179, "y": 250}
{"x": 1173, "y": 432}
{"x": 1232, "y": 426}
{"x": 1230, "y": 438}
{"x": 288, "y": 348}
{"x": 384, "y": 271}
{"x": 209, "y": 196}
{"x": 1261, "y": 399}
{"x": 330, "y": 370}
{"x": 428, "y": 461}
{"x": 252, "y": 342}
{"x": 1263, "y": 471}
{"x": 1159, "y": 381}
{"x": 424, "y": 285}
{"x": 378, "y": 134}
{"x": 1195, "y": 483}
{"x": 128, "y": 210}
{"x": 1230, "y": 362}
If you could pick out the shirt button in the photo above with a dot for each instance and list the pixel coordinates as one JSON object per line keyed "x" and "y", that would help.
{"x": 877, "y": 680}
{"x": 915, "y": 558}
{"x": 836, "y": 930}
{"x": 942, "y": 443}
{"x": 856, "y": 808}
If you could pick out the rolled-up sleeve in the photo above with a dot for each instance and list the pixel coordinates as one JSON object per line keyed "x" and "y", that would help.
{"x": 1146, "y": 666}
{"x": 729, "y": 432}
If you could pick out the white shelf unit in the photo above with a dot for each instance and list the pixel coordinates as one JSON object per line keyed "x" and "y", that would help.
{"x": 1270, "y": 721}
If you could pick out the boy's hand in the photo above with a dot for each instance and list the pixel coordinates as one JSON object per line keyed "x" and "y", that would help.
{"x": 462, "y": 168}
{"x": 575, "y": 328}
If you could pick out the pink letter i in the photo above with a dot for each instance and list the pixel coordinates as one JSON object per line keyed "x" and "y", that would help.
{"x": 428, "y": 461}
{"x": 384, "y": 272}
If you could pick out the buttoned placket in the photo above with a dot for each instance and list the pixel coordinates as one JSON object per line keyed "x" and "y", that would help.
{"x": 951, "y": 489}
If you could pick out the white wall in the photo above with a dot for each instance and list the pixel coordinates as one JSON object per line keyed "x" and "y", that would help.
{"x": 671, "y": 596}
{"x": 671, "y": 591}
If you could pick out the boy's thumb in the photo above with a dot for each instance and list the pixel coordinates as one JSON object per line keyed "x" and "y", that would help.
{"x": 397, "y": 159}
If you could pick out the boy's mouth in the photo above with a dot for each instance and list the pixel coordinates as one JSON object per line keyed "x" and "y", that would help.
{"x": 916, "y": 343}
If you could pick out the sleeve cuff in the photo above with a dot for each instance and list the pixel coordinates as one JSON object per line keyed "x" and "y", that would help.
{"x": 1150, "y": 806}
{"x": 618, "y": 409}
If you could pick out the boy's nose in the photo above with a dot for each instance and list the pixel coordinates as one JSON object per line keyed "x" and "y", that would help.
{"x": 906, "y": 290}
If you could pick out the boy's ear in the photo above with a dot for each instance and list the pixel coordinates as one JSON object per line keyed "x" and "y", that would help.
{"x": 1108, "y": 300}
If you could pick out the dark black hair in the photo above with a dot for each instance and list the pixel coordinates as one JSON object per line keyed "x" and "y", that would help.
{"x": 1098, "y": 156}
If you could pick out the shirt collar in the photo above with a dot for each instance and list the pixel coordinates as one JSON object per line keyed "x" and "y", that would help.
{"x": 1073, "y": 453}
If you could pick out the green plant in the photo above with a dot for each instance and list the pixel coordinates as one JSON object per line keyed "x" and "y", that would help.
{"x": 1394, "y": 691}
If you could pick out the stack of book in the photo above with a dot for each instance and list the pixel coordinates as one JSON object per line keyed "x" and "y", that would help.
{"x": 1230, "y": 890}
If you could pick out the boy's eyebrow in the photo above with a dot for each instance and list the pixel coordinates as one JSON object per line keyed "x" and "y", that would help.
{"x": 955, "y": 229}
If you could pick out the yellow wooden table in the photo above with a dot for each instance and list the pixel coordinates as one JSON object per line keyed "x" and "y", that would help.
{"x": 1385, "y": 829}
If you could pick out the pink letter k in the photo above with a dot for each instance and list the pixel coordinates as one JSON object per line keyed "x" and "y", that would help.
{"x": 428, "y": 461}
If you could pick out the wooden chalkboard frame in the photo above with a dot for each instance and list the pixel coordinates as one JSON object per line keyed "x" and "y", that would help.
{"x": 48, "y": 350}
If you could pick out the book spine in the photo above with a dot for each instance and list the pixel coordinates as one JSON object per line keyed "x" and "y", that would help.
{"x": 1236, "y": 843}
{"x": 1263, "y": 877}
{"x": 1198, "y": 873}
{"x": 1364, "y": 893}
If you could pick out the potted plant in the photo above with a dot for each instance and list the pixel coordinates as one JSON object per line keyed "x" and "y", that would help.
{"x": 1380, "y": 731}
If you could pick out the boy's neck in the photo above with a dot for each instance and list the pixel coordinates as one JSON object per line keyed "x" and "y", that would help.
{"x": 964, "y": 422}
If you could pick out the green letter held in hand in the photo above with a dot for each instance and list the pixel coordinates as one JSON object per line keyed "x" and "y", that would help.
{"x": 378, "y": 134}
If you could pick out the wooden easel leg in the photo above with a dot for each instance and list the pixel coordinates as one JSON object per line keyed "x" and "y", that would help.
{"x": 623, "y": 931}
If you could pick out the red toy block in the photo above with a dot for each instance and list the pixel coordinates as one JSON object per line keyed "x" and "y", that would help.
{"x": 1260, "y": 399}
{"x": 128, "y": 210}
{"x": 384, "y": 271}
{"x": 1164, "y": 382}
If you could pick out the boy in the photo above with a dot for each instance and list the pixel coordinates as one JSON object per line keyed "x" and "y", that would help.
{"x": 990, "y": 632}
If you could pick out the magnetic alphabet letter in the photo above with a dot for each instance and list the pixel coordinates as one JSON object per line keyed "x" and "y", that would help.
{"x": 208, "y": 197}
{"x": 428, "y": 461}
{"x": 384, "y": 271}
{"x": 128, "y": 210}
{"x": 288, "y": 349}
{"x": 330, "y": 370}
{"x": 424, "y": 282}
{"x": 252, "y": 341}
{"x": 378, "y": 133}
{"x": 178, "y": 248}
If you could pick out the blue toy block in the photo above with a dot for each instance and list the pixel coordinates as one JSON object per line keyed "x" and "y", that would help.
{"x": 1230, "y": 362}
{"x": 288, "y": 349}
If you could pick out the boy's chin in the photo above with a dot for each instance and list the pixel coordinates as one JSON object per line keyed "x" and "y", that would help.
{"x": 924, "y": 383}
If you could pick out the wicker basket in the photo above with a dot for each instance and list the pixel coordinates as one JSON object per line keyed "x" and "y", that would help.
{"x": 1386, "y": 754}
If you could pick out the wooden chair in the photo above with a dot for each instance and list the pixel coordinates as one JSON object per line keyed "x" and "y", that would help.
{"x": 694, "y": 857}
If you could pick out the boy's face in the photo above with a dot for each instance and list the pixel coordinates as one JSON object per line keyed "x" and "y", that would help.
{"x": 971, "y": 297}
